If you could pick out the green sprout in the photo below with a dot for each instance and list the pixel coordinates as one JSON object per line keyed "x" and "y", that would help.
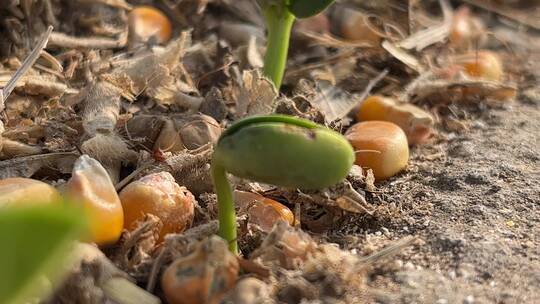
{"x": 280, "y": 16}
{"x": 36, "y": 241}
{"x": 279, "y": 150}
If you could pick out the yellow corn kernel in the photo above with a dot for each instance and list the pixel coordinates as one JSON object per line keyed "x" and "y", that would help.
{"x": 417, "y": 123}
{"x": 160, "y": 195}
{"x": 17, "y": 191}
{"x": 91, "y": 187}
{"x": 381, "y": 146}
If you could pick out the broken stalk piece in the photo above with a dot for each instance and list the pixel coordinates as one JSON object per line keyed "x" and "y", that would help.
{"x": 279, "y": 150}
{"x": 25, "y": 66}
{"x": 280, "y": 16}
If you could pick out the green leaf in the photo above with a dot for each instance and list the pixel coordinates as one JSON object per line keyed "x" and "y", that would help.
{"x": 35, "y": 244}
{"x": 308, "y": 8}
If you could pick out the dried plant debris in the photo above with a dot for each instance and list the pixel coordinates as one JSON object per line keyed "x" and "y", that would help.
{"x": 135, "y": 253}
{"x": 97, "y": 280}
{"x": 256, "y": 95}
{"x": 141, "y": 99}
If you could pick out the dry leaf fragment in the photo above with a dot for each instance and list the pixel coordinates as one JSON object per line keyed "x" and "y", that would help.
{"x": 28, "y": 165}
{"x": 256, "y": 96}
{"x": 152, "y": 70}
{"x": 136, "y": 248}
{"x": 285, "y": 247}
{"x": 333, "y": 102}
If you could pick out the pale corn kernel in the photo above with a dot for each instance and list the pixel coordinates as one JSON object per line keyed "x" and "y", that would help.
{"x": 91, "y": 187}
{"x": 17, "y": 191}
{"x": 381, "y": 146}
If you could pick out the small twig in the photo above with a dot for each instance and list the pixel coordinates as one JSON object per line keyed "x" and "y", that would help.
{"x": 66, "y": 41}
{"x": 154, "y": 272}
{"x": 131, "y": 176}
{"x": 25, "y": 66}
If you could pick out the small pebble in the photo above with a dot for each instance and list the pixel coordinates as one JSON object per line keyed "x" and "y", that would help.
{"x": 468, "y": 300}
{"x": 409, "y": 266}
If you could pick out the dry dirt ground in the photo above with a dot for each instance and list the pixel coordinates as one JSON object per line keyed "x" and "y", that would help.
{"x": 474, "y": 201}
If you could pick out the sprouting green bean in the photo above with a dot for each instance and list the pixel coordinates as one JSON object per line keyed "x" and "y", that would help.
{"x": 280, "y": 150}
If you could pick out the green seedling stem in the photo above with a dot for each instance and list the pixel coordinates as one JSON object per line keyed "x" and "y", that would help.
{"x": 279, "y": 23}
{"x": 279, "y": 150}
{"x": 279, "y": 16}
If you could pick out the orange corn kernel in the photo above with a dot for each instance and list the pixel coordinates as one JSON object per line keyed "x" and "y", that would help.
{"x": 482, "y": 64}
{"x": 91, "y": 187}
{"x": 417, "y": 123}
{"x": 203, "y": 277}
{"x": 146, "y": 21}
{"x": 16, "y": 190}
{"x": 262, "y": 211}
{"x": 160, "y": 195}
{"x": 381, "y": 146}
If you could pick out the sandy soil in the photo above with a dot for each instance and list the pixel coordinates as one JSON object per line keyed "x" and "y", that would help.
{"x": 474, "y": 200}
